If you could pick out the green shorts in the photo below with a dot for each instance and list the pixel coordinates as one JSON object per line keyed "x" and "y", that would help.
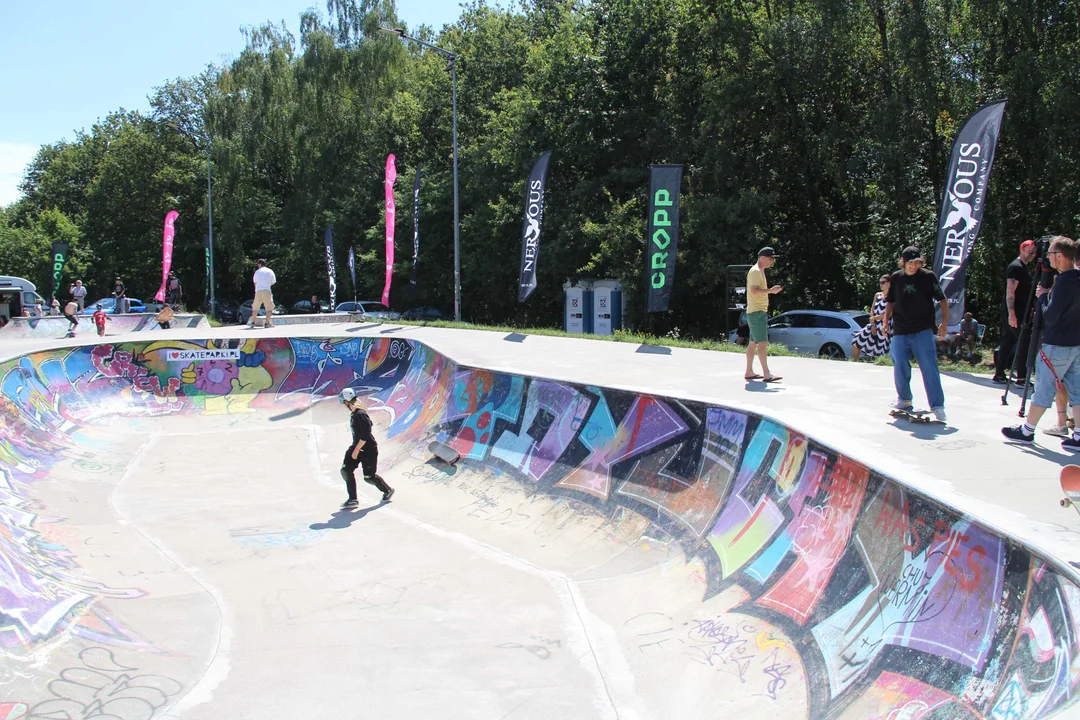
{"x": 759, "y": 326}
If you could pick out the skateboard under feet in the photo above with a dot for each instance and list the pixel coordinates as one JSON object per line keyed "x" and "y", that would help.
{"x": 918, "y": 416}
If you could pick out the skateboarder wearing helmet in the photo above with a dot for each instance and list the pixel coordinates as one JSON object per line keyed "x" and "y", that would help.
{"x": 363, "y": 452}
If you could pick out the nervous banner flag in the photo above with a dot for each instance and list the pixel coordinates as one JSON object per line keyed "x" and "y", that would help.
{"x": 59, "y": 259}
{"x": 963, "y": 201}
{"x": 415, "y": 231}
{"x": 391, "y": 214}
{"x": 352, "y": 271}
{"x": 530, "y": 226}
{"x": 166, "y": 253}
{"x": 331, "y": 269}
{"x": 663, "y": 234}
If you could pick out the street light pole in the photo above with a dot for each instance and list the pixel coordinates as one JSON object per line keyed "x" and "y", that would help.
{"x": 451, "y": 65}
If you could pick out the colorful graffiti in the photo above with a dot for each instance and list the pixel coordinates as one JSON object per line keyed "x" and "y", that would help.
{"x": 895, "y": 605}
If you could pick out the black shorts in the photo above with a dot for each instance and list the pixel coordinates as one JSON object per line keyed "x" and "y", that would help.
{"x": 368, "y": 461}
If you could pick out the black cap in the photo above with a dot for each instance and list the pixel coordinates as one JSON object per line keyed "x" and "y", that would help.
{"x": 911, "y": 253}
{"x": 767, "y": 252}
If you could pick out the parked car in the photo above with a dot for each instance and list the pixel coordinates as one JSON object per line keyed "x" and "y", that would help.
{"x": 303, "y": 307}
{"x": 816, "y": 332}
{"x": 422, "y": 313}
{"x": 108, "y": 304}
{"x": 226, "y": 310}
{"x": 243, "y": 313}
{"x": 370, "y": 308}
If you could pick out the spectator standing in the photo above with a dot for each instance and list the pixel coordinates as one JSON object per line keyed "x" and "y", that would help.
{"x": 315, "y": 304}
{"x": 910, "y": 305}
{"x": 1013, "y": 311}
{"x": 173, "y": 290}
{"x": 118, "y": 287}
{"x": 1058, "y": 361}
{"x": 757, "y": 315}
{"x": 54, "y": 307}
{"x": 122, "y": 305}
{"x": 264, "y": 279}
{"x": 79, "y": 293}
{"x": 872, "y": 341}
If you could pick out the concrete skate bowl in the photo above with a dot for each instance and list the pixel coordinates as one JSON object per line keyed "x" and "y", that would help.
{"x": 170, "y": 546}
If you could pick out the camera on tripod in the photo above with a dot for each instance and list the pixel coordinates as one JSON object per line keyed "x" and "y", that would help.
{"x": 1031, "y": 323}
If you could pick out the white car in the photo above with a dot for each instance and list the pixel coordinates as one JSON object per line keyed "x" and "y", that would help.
{"x": 817, "y": 332}
{"x": 370, "y": 308}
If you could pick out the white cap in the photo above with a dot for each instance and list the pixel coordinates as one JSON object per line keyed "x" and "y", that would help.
{"x": 347, "y": 395}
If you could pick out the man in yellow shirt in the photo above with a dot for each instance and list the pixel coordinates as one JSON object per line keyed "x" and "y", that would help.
{"x": 757, "y": 314}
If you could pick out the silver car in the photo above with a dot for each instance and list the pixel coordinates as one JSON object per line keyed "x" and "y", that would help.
{"x": 817, "y": 332}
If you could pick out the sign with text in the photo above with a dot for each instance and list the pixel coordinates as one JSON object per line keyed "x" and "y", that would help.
{"x": 662, "y": 241}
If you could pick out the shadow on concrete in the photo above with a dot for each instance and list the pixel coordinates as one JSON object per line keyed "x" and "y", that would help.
{"x": 1061, "y": 457}
{"x": 442, "y": 466}
{"x": 653, "y": 350}
{"x": 362, "y": 326}
{"x": 341, "y": 519}
{"x": 760, "y": 386}
{"x": 390, "y": 330}
{"x": 985, "y": 381}
{"x": 515, "y": 337}
{"x": 924, "y": 430}
{"x": 289, "y": 414}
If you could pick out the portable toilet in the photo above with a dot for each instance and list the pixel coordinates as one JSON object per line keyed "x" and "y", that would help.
{"x": 577, "y": 308}
{"x": 607, "y": 306}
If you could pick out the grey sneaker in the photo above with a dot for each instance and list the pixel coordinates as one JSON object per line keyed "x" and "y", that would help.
{"x": 1061, "y": 431}
{"x": 939, "y": 414}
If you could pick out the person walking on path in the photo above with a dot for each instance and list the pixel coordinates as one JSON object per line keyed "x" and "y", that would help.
{"x": 1058, "y": 363}
{"x": 173, "y": 290}
{"x": 264, "y": 278}
{"x": 1013, "y": 311}
{"x": 363, "y": 452}
{"x": 910, "y": 306}
{"x": 99, "y": 319}
{"x": 872, "y": 341}
{"x": 71, "y": 311}
{"x": 78, "y": 291}
{"x": 757, "y": 315}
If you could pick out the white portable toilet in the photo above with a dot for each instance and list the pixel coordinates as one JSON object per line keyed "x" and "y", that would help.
{"x": 577, "y": 308}
{"x": 607, "y": 306}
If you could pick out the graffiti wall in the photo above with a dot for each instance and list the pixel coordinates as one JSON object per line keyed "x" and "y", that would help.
{"x": 897, "y": 606}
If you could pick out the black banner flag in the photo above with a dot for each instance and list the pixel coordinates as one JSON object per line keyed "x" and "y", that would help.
{"x": 963, "y": 201}
{"x": 352, "y": 271}
{"x": 331, "y": 268}
{"x": 59, "y": 259}
{"x": 530, "y": 227}
{"x": 663, "y": 238}
{"x": 415, "y": 231}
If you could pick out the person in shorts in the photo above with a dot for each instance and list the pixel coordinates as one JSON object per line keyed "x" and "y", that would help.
{"x": 362, "y": 453}
{"x": 71, "y": 311}
{"x": 1058, "y": 361}
{"x": 757, "y": 315}
{"x": 99, "y": 319}
{"x": 78, "y": 291}
{"x": 263, "y": 278}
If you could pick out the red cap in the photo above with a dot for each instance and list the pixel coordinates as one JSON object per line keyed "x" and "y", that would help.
{"x": 1027, "y": 244}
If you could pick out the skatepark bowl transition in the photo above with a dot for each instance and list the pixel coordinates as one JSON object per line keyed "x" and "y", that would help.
{"x": 171, "y": 546}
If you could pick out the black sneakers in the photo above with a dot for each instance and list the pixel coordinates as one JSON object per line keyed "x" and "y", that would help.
{"x": 1017, "y": 433}
{"x": 1070, "y": 444}
{"x": 350, "y": 503}
{"x": 387, "y": 495}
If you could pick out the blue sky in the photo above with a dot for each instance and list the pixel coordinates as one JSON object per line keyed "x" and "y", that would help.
{"x": 65, "y": 64}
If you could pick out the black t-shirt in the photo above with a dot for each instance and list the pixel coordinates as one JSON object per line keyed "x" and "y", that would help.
{"x": 1018, "y": 271}
{"x": 913, "y": 299}
{"x": 361, "y": 430}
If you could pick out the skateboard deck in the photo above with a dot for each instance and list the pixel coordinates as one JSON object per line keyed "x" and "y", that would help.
{"x": 1070, "y": 486}
{"x": 444, "y": 452}
{"x": 919, "y": 416}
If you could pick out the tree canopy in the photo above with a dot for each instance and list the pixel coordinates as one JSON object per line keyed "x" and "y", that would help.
{"x": 822, "y": 124}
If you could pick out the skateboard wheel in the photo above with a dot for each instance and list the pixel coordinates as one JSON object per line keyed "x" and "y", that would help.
{"x": 1065, "y": 502}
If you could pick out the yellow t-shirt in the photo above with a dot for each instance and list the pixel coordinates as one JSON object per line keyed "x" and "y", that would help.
{"x": 756, "y": 303}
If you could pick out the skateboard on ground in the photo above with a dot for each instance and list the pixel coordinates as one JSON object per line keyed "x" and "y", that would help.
{"x": 444, "y": 452}
{"x": 1070, "y": 485}
{"x": 918, "y": 416}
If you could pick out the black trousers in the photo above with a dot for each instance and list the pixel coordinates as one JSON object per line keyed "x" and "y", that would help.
{"x": 73, "y": 320}
{"x": 368, "y": 462}
{"x": 1012, "y": 340}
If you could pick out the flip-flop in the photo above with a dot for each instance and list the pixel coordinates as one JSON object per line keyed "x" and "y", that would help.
{"x": 751, "y": 377}
{"x": 774, "y": 378}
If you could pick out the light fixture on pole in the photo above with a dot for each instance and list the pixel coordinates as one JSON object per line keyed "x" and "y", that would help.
{"x": 451, "y": 65}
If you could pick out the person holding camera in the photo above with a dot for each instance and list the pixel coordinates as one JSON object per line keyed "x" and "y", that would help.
{"x": 1013, "y": 311}
{"x": 1058, "y": 361}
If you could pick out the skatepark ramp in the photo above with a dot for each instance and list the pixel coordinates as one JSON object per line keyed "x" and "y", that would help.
{"x": 52, "y": 326}
{"x": 170, "y": 546}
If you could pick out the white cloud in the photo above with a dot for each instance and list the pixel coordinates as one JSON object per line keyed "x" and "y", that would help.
{"x": 14, "y": 157}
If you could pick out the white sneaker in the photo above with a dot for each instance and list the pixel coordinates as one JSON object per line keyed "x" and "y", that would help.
{"x": 1060, "y": 431}
{"x": 939, "y": 414}
{"x": 901, "y": 405}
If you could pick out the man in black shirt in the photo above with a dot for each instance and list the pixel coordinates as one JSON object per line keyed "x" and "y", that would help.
{"x": 363, "y": 452}
{"x": 1013, "y": 311}
{"x": 910, "y": 304}
{"x": 1058, "y": 362}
